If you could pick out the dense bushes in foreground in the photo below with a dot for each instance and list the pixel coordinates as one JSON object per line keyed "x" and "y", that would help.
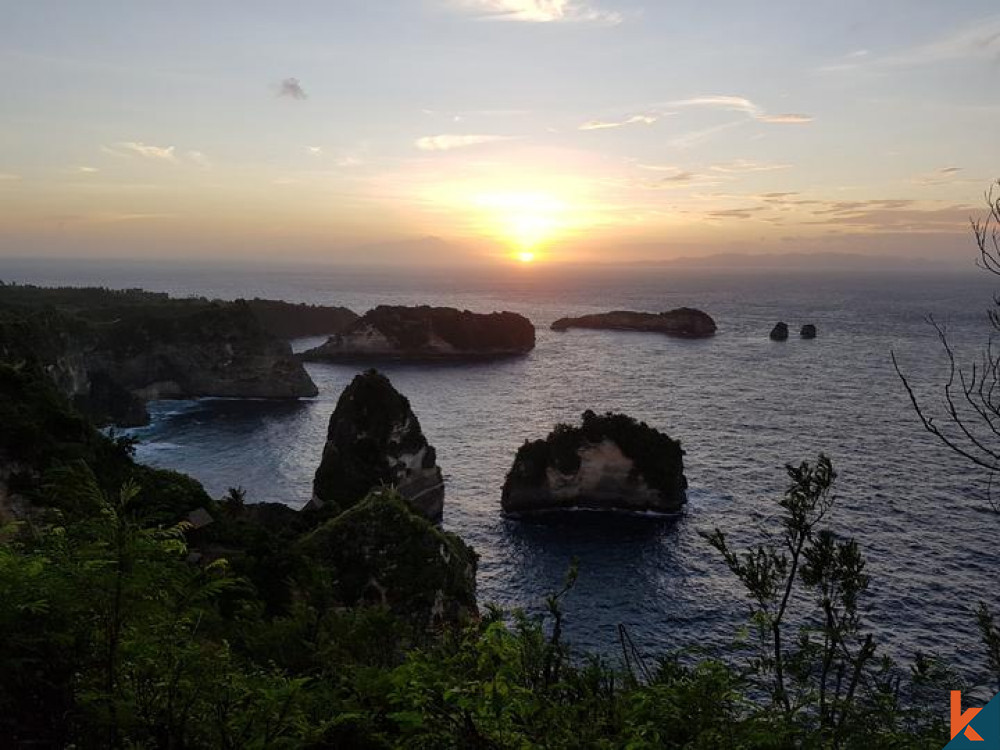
{"x": 121, "y": 626}
{"x": 111, "y": 637}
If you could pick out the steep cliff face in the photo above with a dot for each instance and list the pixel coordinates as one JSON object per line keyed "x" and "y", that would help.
{"x": 109, "y": 368}
{"x": 428, "y": 334}
{"x": 610, "y": 462}
{"x": 380, "y": 553}
{"x": 216, "y": 352}
{"x": 684, "y": 322}
{"x": 287, "y": 320}
{"x": 374, "y": 439}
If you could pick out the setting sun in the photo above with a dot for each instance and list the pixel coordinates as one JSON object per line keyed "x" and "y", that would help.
{"x": 523, "y": 221}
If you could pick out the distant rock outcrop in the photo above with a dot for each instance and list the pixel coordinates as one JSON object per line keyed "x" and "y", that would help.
{"x": 684, "y": 322}
{"x": 779, "y": 332}
{"x": 374, "y": 439}
{"x": 428, "y": 334}
{"x": 611, "y": 462}
{"x": 287, "y": 320}
{"x": 808, "y": 331}
{"x": 379, "y": 553}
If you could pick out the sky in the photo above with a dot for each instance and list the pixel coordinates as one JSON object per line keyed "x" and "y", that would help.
{"x": 495, "y": 131}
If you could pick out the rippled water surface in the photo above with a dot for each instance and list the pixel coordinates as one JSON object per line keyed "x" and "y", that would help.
{"x": 741, "y": 405}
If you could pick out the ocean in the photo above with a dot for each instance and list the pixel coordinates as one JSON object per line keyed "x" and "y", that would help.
{"x": 741, "y": 405}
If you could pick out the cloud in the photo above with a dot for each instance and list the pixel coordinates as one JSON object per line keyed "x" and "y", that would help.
{"x": 979, "y": 40}
{"x": 290, "y": 88}
{"x": 540, "y": 11}
{"x": 164, "y": 154}
{"x": 670, "y": 177}
{"x": 789, "y": 118}
{"x": 894, "y": 215}
{"x": 736, "y": 213}
{"x": 449, "y": 142}
{"x": 942, "y": 176}
{"x": 315, "y": 150}
{"x": 695, "y": 137}
{"x": 87, "y": 170}
{"x": 137, "y": 148}
{"x": 744, "y": 105}
{"x": 197, "y": 157}
{"x": 9, "y": 177}
{"x": 644, "y": 119}
{"x": 747, "y": 165}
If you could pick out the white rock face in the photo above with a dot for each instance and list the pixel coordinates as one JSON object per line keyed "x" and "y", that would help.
{"x": 606, "y": 475}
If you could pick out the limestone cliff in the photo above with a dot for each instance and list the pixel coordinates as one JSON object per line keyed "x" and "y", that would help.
{"x": 428, "y": 334}
{"x": 610, "y": 462}
{"x": 374, "y": 439}
{"x": 684, "y": 322}
{"x": 110, "y": 360}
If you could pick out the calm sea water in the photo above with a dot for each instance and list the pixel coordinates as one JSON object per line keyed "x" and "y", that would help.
{"x": 742, "y": 406}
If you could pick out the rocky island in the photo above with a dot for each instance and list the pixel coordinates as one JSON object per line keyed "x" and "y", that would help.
{"x": 611, "y": 462}
{"x": 374, "y": 439}
{"x": 427, "y": 334}
{"x": 779, "y": 332}
{"x": 110, "y": 352}
{"x": 684, "y": 322}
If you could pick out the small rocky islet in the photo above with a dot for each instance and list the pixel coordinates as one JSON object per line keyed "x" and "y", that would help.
{"x": 683, "y": 322}
{"x": 610, "y": 462}
{"x": 780, "y": 332}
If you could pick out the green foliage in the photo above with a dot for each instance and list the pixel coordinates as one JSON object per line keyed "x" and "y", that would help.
{"x": 380, "y": 552}
{"x": 121, "y": 626}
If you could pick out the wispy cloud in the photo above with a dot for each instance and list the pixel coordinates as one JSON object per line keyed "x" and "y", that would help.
{"x": 895, "y": 215}
{"x": 696, "y": 137}
{"x": 941, "y": 176}
{"x": 290, "y": 88}
{"x": 199, "y": 158}
{"x": 146, "y": 151}
{"x": 979, "y": 40}
{"x": 449, "y": 142}
{"x": 747, "y": 165}
{"x": 539, "y": 11}
{"x": 9, "y": 177}
{"x": 87, "y": 170}
{"x": 744, "y": 105}
{"x": 162, "y": 154}
{"x": 641, "y": 119}
{"x": 315, "y": 150}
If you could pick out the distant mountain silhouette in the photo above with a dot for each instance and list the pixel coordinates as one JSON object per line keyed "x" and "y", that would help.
{"x": 798, "y": 261}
